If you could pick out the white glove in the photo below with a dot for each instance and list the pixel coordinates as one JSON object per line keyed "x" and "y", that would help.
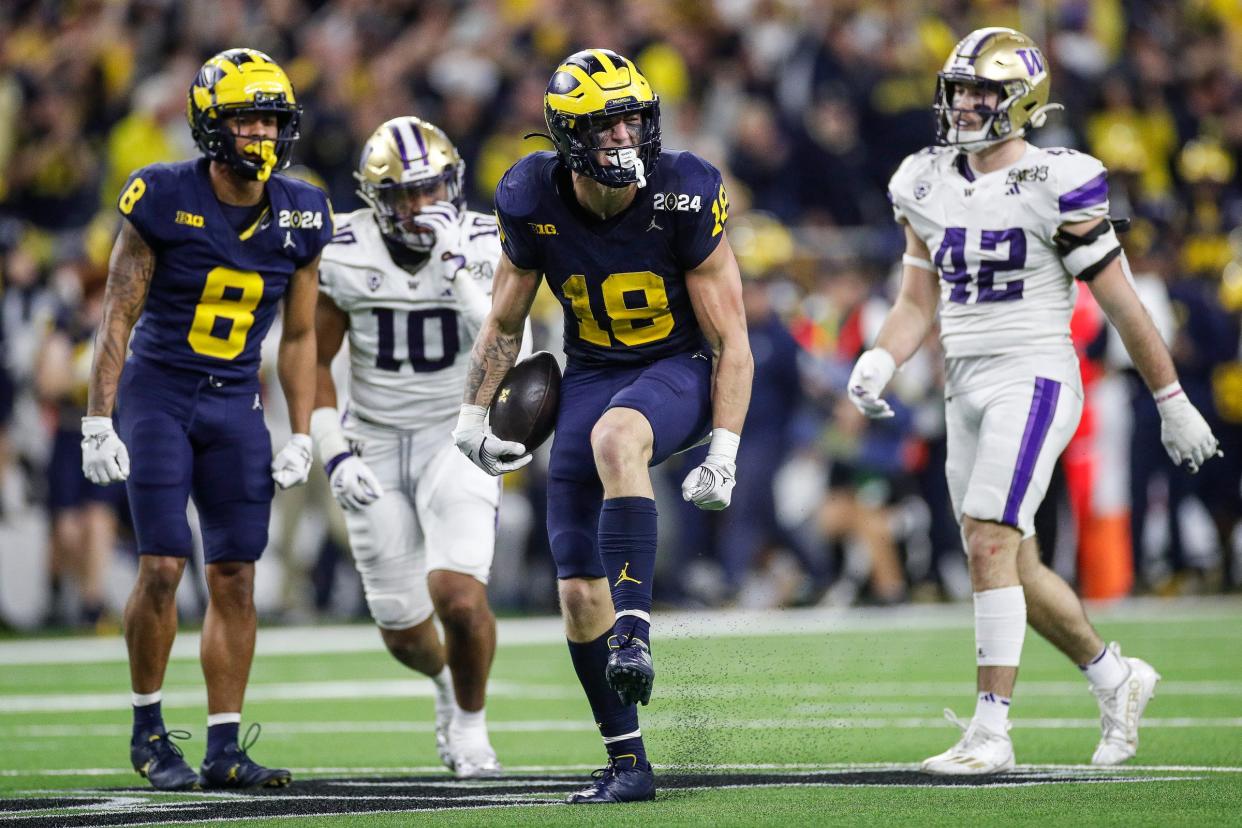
{"x": 443, "y": 219}
{"x": 292, "y": 465}
{"x": 104, "y": 457}
{"x": 486, "y": 450}
{"x": 710, "y": 484}
{"x": 353, "y": 483}
{"x": 871, "y": 373}
{"x": 1186, "y": 435}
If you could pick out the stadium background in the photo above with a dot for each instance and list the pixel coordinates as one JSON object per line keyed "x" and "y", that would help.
{"x": 807, "y": 107}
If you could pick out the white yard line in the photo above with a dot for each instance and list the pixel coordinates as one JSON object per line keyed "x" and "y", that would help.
{"x": 664, "y": 721}
{"x": 805, "y": 768}
{"x": 710, "y": 624}
{"x": 838, "y": 693}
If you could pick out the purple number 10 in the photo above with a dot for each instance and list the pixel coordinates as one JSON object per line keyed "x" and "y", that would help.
{"x": 955, "y": 272}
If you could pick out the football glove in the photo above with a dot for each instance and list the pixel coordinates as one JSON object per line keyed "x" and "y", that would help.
{"x": 871, "y": 373}
{"x": 1186, "y": 435}
{"x": 443, "y": 219}
{"x": 710, "y": 484}
{"x": 353, "y": 483}
{"x": 486, "y": 450}
{"x": 104, "y": 457}
{"x": 292, "y": 465}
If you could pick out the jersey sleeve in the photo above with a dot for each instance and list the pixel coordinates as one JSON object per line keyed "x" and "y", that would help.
{"x": 138, "y": 202}
{"x": 323, "y": 230}
{"x": 516, "y": 197}
{"x": 1082, "y": 188}
{"x": 699, "y": 231}
{"x": 331, "y": 280}
{"x": 900, "y": 189}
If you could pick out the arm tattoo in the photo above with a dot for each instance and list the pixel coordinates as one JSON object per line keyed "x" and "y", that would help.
{"x": 491, "y": 358}
{"x": 129, "y": 277}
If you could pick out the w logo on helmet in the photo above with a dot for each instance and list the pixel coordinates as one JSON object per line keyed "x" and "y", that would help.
{"x": 1032, "y": 60}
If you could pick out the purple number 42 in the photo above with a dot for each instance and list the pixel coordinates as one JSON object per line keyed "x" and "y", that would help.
{"x": 950, "y": 260}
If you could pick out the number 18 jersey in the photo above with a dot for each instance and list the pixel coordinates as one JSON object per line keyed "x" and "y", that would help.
{"x": 215, "y": 290}
{"x": 1003, "y": 288}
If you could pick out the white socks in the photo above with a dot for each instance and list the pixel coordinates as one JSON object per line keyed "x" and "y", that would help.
{"x": 1106, "y": 670}
{"x": 992, "y": 711}
{"x": 468, "y": 726}
{"x": 1000, "y": 626}
{"x": 143, "y": 699}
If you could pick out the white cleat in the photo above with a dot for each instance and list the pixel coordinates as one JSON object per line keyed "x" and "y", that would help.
{"x": 444, "y": 718}
{"x": 980, "y": 751}
{"x": 476, "y": 762}
{"x": 1121, "y": 707}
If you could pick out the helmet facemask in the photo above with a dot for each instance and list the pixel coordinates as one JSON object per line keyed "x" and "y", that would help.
{"x": 996, "y": 125}
{"x": 260, "y": 157}
{"x": 578, "y": 141}
{"x": 397, "y": 206}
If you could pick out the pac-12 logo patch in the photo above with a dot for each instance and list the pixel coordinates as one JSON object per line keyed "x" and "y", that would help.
{"x": 373, "y": 280}
{"x": 921, "y": 189}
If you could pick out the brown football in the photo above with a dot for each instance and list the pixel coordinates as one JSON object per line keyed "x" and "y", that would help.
{"x": 524, "y": 409}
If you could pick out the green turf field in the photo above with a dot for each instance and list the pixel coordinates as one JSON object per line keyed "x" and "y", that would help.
{"x": 814, "y": 720}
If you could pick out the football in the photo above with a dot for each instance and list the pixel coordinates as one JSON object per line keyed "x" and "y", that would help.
{"x": 525, "y": 406}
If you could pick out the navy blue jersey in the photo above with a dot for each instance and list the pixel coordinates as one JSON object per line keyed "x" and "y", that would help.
{"x": 215, "y": 290}
{"x": 621, "y": 281}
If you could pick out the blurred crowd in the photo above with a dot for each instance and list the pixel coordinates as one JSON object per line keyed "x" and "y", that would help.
{"x": 807, "y": 106}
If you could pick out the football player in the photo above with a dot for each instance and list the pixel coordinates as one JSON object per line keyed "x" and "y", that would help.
{"x": 998, "y": 234}
{"x": 409, "y": 279}
{"x": 207, "y": 251}
{"x": 632, "y": 242}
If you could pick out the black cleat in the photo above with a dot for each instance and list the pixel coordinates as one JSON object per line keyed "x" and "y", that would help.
{"x": 161, "y": 762}
{"x": 613, "y": 784}
{"x": 630, "y": 671}
{"x": 234, "y": 769}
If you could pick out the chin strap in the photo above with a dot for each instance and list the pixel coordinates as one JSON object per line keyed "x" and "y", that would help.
{"x": 1040, "y": 115}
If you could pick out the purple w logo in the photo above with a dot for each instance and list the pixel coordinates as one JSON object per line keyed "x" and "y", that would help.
{"x": 1033, "y": 60}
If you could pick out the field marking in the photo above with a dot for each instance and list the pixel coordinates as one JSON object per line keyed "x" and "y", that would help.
{"x": 420, "y": 688}
{"x": 665, "y": 721}
{"x": 809, "y": 767}
{"x": 277, "y": 641}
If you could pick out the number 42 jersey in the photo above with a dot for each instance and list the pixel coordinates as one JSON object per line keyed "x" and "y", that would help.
{"x": 215, "y": 290}
{"x": 1003, "y": 288}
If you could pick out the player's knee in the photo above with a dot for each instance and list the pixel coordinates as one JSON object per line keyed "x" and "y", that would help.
{"x": 619, "y": 443}
{"x": 582, "y": 601}
{"x": 462, "y": 611}
{"x": 158, "y": 577}
{"x": 231, "y": 583}
{"x": 393, "y": 610}
{"x": 413, "y": 644}
{"x": 990, "y": 544}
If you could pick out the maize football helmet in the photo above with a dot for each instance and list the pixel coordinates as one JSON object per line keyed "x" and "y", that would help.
{"x": 999, "y": 60}
{"x": 402, "y": 159}
{"x": 589, "y": 88}
{"x": 237, "y": 81}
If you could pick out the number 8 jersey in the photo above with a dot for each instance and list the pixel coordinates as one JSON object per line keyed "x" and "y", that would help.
{"x": 215, "y": 289}
{"x": 1003, "y": 288}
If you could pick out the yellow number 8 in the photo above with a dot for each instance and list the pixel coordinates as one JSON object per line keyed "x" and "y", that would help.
{"x": 130, "y": 197}
{"x": 213, "y": 305}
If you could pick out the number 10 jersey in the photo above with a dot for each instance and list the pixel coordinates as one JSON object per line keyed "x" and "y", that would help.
{"x": 409, "y": 344}
{"x": 1003, "y": 288}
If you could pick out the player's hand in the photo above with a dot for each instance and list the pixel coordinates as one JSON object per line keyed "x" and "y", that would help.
{"x": 353, "y": 483}
{"x": 486, "y": 450}
{"x": 710, "y": 484}
{"x": 292, "y": 466}
{"x": 444, "y": 220}
{"x": 1186, "y": 435}
{"x": 871, "y": 373}
{"x": 104, "y": 457}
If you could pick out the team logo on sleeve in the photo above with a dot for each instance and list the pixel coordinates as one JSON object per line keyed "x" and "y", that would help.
{"x": 921, "y": 189}
{"x": 374, "y": 279}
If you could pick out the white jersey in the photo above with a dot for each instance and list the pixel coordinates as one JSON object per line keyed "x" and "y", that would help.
{"x": 409, "y": 340}
{"x": 1003, "y": 288}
